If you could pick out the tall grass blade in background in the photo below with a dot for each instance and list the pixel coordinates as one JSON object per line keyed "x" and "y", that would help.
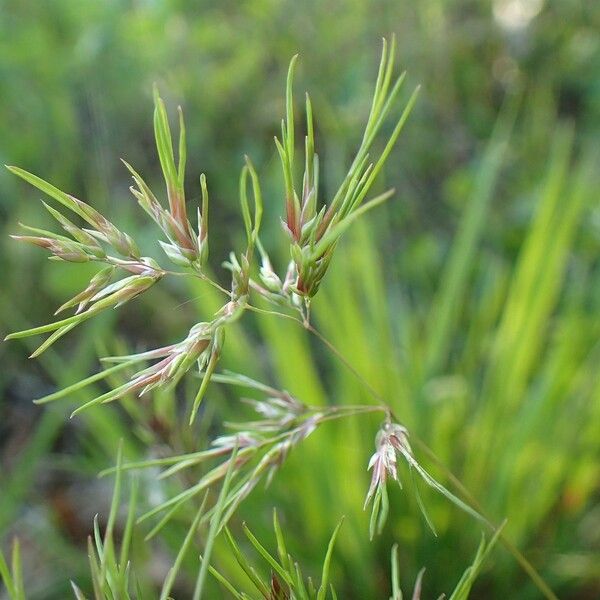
{"x": 454, "y": 280}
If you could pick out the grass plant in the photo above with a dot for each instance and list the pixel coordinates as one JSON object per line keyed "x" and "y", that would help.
{"x": 203, "y": 478}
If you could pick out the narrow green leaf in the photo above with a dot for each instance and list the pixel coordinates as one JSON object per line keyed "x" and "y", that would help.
{"x": 463, "y": 587}
{"x": 375, "y": 513}
{"x": 78, "y": 593}
{"x": 455, "y": 273}
{"x": 187, "y": 494}
{"x": 244, "y": 202}
{"x": 108, "y": 554}
{"x": 378, "y": 86}
{"x": 384, "y": 510}
{"x": 245, "y": 565}
{"x": 267, "y": 556}
{"x": 309, "y": 153}
{"x": 204, "y": 216}
{"x": 82, "y": 384}
{"x": 6, "y": 576}
{"x": 258, "y": 202}
{"x": 164, "y": 142}
{"x": 45, "y": 328}
{"x": 41, "y": 233}
{"x": 215, "y": 527}
{"x": 49, "y": 189}
{"x": 182, "y": 150}
{"x": 187, "y": 542}
{"x": 335, "y": 232}
{"x": 300, "y": 588}
{"x": 109, "y": 396}
{"x": 441, "y": 489}
{"x": 326, "y": 564}
{"x": 289, "y": 106}
{"x": 164, "y": 520}
{"x": 53, "y": 338}
{"x": 389, "y": 69}
{"x": 191, "y": 458}
{"x": 287, "y": 173}
{"x": 17, "y": 571}
{"x": 396, "y": 589}
{"x": 129, "y": 524}
{"x": 390, "y": 144}
{"x": 221, "y": 579}
{"x": 421, "y": 504}
{"x": 212, "y": 363}
{"x": 281, "y": 549}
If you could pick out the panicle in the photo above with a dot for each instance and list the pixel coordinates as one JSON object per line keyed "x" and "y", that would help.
{"x": 185, "y": 247}
{"x": 313, "y": 231}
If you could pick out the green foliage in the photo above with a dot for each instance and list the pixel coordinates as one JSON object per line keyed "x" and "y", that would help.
{"x": 12, "y": 576}
{"x": 287, "y": 581}
{"x": 469, "y": 303}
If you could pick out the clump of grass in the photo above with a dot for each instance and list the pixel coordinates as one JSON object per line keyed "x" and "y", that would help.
{"x": 257, "y": 448}
{"x": 113, "y": 575}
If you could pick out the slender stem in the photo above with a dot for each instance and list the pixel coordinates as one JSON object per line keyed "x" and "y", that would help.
{"x": 356, "y": 410}
{"x": 348, "y": 365}
{"x": 202, "y": 277}
{"x": 275, "y": 313}
{"x": 330, "y": 346}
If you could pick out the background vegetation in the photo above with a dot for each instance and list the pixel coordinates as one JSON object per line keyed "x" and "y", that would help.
{"x": 471, "y": 301}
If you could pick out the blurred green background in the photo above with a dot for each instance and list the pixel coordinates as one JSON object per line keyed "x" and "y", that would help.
{"x": 471, "y": 300}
